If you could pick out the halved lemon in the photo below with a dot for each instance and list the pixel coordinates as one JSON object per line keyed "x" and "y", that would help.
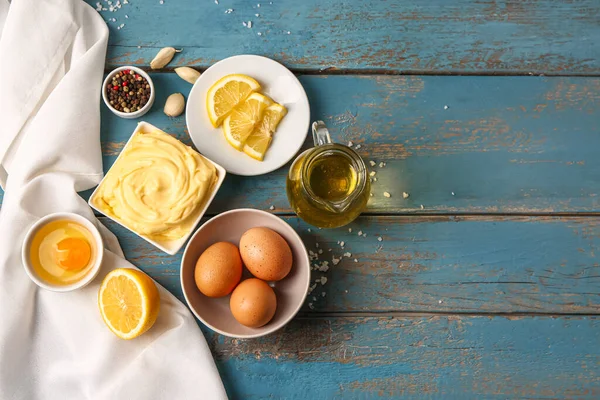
{"x": 243, "y": 119}
{"x": 259, "y": 140}
{"x": 129, "y": 302}
{"x": 227, "y": 93}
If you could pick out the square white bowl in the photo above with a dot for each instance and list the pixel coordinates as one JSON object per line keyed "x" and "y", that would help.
{"x": 173, "y": 246}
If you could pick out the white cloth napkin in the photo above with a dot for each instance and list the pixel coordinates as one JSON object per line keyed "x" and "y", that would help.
{"x": 55, "y": 345}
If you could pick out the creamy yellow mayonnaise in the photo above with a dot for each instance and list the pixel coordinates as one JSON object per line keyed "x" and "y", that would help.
{"x": 157, "y": 186}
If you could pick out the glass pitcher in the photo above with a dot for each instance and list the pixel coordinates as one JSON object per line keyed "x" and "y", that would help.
{"x": 328, "y": 185}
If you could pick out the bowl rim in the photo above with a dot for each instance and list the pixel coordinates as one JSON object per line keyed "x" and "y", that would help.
{"x": 298, "y": 306}
{"x": 211, "y": 196}
{"x": 53, "y": 217}
{"x": 142, "y": 110}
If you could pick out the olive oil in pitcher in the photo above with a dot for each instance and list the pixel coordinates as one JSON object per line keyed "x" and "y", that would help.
{"x": 327, "y": 186}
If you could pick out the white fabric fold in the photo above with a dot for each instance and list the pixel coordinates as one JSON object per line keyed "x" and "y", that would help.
{"x": 55, "y": 345}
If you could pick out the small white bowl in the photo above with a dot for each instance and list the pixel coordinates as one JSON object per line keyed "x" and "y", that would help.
{"x": 141, "y": 111}
{"x": 70, "y": 217}
{"x": 173, "y": 246}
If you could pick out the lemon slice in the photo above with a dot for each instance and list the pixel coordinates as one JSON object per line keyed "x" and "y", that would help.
{"x": 227, "y": 93}
{"x": 243, "y": 119}
{"x": 129, "y": 302}
{"x": 259, "y": 140}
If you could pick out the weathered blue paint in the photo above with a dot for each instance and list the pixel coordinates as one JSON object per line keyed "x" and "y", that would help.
{"x": 417, "y": 316}
{"x": 541, "y": 36}
{"x": 420, "y": 357}
{"x": 504, "y": 144}
{"x": 437, "y": 264}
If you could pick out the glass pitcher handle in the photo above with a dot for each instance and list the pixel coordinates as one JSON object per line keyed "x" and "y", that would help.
{"x": 320, "y": 133}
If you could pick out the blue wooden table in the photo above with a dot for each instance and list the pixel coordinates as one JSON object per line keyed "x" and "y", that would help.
{"x": 486, "y": 281}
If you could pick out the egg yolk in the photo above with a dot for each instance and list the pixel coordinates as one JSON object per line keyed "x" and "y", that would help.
{"x": 73, "y": 254}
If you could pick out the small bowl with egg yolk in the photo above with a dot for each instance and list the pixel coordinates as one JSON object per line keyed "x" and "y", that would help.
{"x": 62, "y": 252}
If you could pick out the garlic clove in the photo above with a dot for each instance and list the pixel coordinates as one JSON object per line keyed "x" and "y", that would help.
{"x": 187, "y": 74}
{"x": 163, "y": 57}
{"x": 174, "y": 105}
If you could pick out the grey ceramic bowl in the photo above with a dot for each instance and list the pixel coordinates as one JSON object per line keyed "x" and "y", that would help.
{"x": 229, "y": 227}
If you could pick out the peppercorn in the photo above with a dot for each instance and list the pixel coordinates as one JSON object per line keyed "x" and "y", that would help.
{"x": 127, "y": 91}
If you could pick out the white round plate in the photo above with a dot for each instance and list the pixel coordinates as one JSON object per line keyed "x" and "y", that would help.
{"x": 280, "y": 85}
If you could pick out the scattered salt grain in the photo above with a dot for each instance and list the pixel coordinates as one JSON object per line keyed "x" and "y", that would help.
{"x": 272, "y": 208}
{"x": 259, "y": 34}
{"x": 380, "y": 239}
{"x": 374, "y": 179}
{"x": 422, "y": 208}
{"x": 386, "y": 194}
{"x": 310, "y": 305}
{"x": 317, "y": 245}
{"x": 452, "y": 193}
{"x": 355, "y": 260}
{"x": 342, "y": 244}
{"x": 345, "y": 291}
{"x": 364, "y": 235}
{"x": 249, "y": 24}
{"x": 257, "y": 15}
{"x": 288, "y": 32}
{"x": 359, "y": 233}
{"x": 161, "y": 2}
{"x": 347, "y": 254}
{"x": 309, "y": 230}
{"x": 350, "y": 144}
{"x": 358, "y": 146}
{"x": 216, "y": 1}
{"x": 314, "y": 298}
{"x": 258, "y": 5}
{"x": 229, "y": 11}
{"x": 405, "y": 195}
{"x": 440, "y": 302}
{"x": 371, "y": 194}
{"x": 126, "y": 16}
{"x": 323, "y": 294}
{"x": 320, "y": 251}
{"x": 372, "y": 163}
{"x": 323, "y": 280}
{"x": 244, "y": 23}
{"x": 446, "y": 107}
{"x": 349, "y": 230}
{"x": 335, "y": 261}
{"x": 381, "y": 164}
{"x": 372, "y": 173}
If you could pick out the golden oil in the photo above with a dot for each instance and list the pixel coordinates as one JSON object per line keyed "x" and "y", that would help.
{"x": 327, "y": 186}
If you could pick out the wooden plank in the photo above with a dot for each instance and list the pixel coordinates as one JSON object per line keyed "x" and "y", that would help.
{"x": 539, "y": 36}
{"x": 504, "y": 144}
{"x": 436, "y": 264}
{"x": 439, "y": 357}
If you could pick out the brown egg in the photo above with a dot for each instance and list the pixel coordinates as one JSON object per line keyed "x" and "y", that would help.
{"x": 218, "y": 270}
{"x": 253, "y": 303}
{"x": 266, "y": 254}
